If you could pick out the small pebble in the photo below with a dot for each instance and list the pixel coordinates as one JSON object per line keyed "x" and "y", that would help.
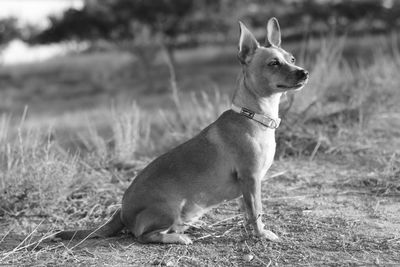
{"x": 248, "y": 257}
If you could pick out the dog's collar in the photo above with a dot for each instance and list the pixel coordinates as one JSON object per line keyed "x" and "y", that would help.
{"x": 264, "y": 120}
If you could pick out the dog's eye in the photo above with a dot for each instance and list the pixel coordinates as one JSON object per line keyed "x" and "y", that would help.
{"x": 274, "y": 62}
{"x": 293, "y": 60}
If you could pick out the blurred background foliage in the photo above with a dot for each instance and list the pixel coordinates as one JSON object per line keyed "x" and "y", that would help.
{"x": 8, "y": 31}
{"x": 124, "y": 50}
{"x": 139, "y": 49}
{"x": 190, "y": 22}
{"x": 148, "y": 30}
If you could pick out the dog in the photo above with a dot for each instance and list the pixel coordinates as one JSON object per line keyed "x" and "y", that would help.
{"x": 226, "y": 160}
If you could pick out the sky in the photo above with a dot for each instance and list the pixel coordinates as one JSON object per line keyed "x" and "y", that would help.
{"x": 32, "y": 12}
{"x": 35, "y": 11}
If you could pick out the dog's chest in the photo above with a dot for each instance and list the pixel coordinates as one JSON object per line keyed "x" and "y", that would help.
{"x": 265, "y": 152}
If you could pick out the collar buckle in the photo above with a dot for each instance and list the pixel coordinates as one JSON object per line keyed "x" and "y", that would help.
{"x": 247, "y": 112}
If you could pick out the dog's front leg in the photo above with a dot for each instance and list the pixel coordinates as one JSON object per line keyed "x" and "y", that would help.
{"x": 251, "y": 189}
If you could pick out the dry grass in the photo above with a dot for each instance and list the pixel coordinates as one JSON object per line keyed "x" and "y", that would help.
{"x": 332, "y": 194}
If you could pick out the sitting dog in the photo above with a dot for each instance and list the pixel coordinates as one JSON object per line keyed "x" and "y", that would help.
{"x": 226, "y": 160}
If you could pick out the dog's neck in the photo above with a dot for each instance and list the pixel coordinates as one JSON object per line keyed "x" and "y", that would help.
{"x": 265, "y": 105}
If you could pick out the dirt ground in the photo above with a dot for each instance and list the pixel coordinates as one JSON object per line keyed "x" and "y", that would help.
{"x": 338, "y": 209}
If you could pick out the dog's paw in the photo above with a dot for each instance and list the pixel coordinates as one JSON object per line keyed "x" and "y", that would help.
{"x": 185, "y": 240}
{"x": 269, "y": 235}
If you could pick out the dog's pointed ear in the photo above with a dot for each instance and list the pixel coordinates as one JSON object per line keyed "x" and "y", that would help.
{"x": 273, "y": 33}
{"x": 247, "y": 44}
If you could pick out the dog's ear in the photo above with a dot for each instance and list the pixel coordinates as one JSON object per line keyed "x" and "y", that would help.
{"x": 273, "y": 33}
{"x": 247, "y": 44}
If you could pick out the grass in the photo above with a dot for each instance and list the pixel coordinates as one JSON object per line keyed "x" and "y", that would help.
{"x": 332, "y": 194}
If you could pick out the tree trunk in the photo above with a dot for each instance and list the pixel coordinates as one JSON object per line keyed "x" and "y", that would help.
{"x": 146, "y": 65}
{"x": 171, "y": 63}
{"x": 145, "y": 56}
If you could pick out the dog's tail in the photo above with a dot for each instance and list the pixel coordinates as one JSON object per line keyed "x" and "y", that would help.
{"x": 110, "y": 228}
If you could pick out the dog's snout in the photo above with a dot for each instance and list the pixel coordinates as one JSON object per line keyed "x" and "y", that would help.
{"x": 302, "y": 74}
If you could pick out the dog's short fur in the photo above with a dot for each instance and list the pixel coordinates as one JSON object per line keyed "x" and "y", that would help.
{"x": 226, "y": 160}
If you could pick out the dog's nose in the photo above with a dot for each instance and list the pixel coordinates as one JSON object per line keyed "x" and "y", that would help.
{"x": 302, "y": 74}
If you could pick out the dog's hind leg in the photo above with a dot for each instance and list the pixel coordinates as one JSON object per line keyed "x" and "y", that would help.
{"x": 159, "y": 226}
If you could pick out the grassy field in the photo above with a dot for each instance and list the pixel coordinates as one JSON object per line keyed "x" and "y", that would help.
{"x": 332, "y": 195}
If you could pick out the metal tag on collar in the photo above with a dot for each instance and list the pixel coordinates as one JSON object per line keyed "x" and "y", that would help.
{"x": 247, "y": 112}
{"x": 272, "y": 124}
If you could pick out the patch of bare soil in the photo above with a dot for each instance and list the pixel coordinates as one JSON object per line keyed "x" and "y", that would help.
{"x": 339, "y": 209}
{"x": 325, "y": 213}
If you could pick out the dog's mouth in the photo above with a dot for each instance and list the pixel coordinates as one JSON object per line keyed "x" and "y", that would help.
{"x": 292, "y": 87}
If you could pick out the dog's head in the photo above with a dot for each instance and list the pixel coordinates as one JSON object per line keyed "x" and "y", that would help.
{"x": 268, "y": 69}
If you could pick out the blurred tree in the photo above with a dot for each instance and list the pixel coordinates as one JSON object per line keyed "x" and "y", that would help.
{"x": 187, "y": 22}
{"x": 143, "y": 26}
{"x": 137, "y": 25}
{"x": 8, "y": 31}
{"x": 316, "y": 17}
